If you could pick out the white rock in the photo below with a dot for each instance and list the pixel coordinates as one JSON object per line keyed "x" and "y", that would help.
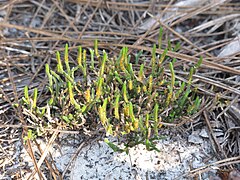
{"x": 204, "y": 133}
{"x": 232, "y": 48}
{"x": 195, "y": 138}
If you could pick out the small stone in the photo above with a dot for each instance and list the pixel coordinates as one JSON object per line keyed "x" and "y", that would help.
{"x": 197, "y": 163}
{"x": 204, "y": 133}
{"x": 195, "y": 139}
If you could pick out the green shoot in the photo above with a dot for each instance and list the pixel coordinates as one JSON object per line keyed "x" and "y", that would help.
{"x": 141, "y": 73}
{"x": 71, "y": 96}
{"x": 124, "y": 91}
{"x": 121, "y": 61}
{"x": 79, "y": 57}
{"x": 130, "y": 84}
{"x": 180, "y": 90}
{"x": 160, "y": 37}
{"x": 99, "y": 87}
{"x": 150, "y": 84}
{"x": 50, "y": 78}
{"x": 92, "y": 59}
{"x": 131, "y": 113}
{"x": 169, "y": 45}
{"x": 35, "y": 92}
{"x": 26, "y": 95}
{"x": 113, "y": 146}
{"x": 117, "y": 77}
{"x": 116, "y": 107}
{"x": 85, "y": 64}
{"x": 102, "y": 112}
{"x": 198, "y": 64}
{"x": 155, "y": 117}
{"x": 162, "y": 57}
{"x": 66, "y": 59}
{"x": 177, "y": 47}
{"x": 138, "y": 56}
{"x": 153, "y": 61}
{"x": 59, "y": 65}
{"x": 103, "y": 63}
{"x": 170, "y": 94}
{"x": 96, "y": 49}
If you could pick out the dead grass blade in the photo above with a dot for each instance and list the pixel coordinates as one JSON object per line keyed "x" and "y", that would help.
{"x": 215, "y": 165}
{"x": 53, "y": 170}
{"x": 45, "y": 153}
{"x": 19, "y": 113}
{"x": 218, "y": 22}
{"x": 216, "y": 146}
{"x": 198, "y": 11}
{"x": 180, "y": 56}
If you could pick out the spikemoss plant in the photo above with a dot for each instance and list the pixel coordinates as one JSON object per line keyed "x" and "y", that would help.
{"x": 128, "y": 97}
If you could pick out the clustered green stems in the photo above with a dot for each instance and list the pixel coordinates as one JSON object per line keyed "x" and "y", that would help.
{"x": 130, "y": 97}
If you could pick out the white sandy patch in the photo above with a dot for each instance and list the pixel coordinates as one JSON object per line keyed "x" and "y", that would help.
{"x": 98, "y": 161}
